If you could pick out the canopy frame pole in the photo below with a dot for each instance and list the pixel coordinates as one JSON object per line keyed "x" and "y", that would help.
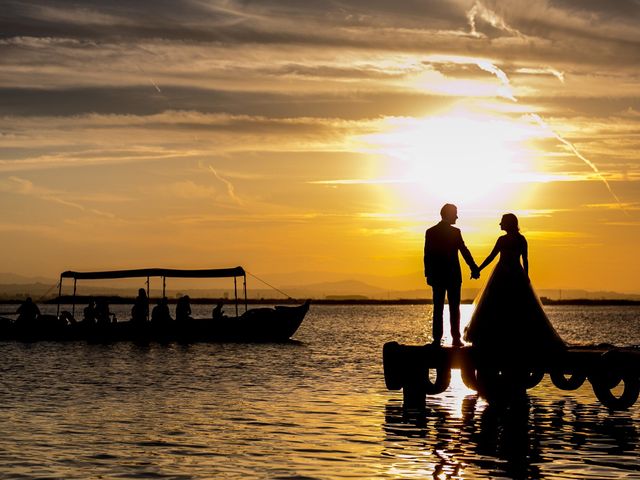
{"x": 235, "y": 291}
{"x": 164, "y": 286}
{"x": 73, "y": 305}
{"x": 148, "y": 297}
{"x": 244, "y": 284}
{"x": 59, "y": 295}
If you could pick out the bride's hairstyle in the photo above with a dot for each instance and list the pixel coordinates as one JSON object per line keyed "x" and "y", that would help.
{"x": 510, "y": 222}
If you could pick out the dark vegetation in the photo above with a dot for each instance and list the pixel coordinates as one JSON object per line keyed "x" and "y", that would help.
{"x": 343, "y": 300}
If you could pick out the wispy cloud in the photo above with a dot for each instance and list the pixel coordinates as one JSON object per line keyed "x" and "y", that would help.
{"x": 479, "y": 10}
{"x": 231, "y": 190}
{"x": 505, "y": 91}
{"x": 542, "y": 71}
{"x": 360, "y": 181}
{"x": 26, "y": 187}
{"x": 577, "y": 153}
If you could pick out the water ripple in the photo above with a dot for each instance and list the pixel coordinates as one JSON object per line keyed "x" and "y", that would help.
{"x": 312, "y": 409}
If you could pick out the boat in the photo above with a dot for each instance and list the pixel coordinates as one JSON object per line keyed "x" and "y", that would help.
{"x": 264, "y": 324}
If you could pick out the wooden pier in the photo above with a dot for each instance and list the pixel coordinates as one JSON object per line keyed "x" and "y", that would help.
{"x": 614, "y": 373}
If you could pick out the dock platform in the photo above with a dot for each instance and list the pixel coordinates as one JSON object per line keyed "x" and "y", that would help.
{"x": 614, "y": 373}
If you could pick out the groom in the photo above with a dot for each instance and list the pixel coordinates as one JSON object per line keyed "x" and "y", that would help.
{"x": 442, "y": 242}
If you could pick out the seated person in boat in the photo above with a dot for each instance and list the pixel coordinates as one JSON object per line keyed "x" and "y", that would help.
{"x": 216, "y": 313}
{"x": 102, "y": 312}
{"x": 183, "y": 309}
{"x": 89, "y": 313}
{"x": 140, "y": 310}
{"x": 27, "y": 312}
{"x": 161, "y": 313}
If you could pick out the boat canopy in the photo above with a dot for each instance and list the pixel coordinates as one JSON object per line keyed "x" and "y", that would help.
{"x": 157, "y": 272}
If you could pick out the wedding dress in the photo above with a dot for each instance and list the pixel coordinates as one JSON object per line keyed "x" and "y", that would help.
{"x": 508, "y": 313}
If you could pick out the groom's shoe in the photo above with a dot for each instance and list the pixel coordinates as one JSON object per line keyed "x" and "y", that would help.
{"x": 457, "y": 343}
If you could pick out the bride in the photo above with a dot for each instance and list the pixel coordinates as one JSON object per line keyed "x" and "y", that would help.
{"x": 508, "y": 313}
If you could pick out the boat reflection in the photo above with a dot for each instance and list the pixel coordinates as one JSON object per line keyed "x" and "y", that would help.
{"x": 534, "y": 438}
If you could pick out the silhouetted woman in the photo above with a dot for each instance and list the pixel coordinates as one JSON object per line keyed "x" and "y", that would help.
{"x": 160, "y": 313}
{"x": 183, "y": 308}
{"x": 89, "y": 312}
{"x": 140, "y": 309}
{"x": 102, "y": 312}
{"x": 508, "y": 313}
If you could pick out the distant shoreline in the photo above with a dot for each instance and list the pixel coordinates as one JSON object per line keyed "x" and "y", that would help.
{"x": 79, "y": 300}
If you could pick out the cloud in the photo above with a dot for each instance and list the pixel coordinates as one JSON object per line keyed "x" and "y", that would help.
{"x": 22, "y": 186}
{"x": 30, "y": 229}
{"x": 359, "y": 181}
{"x": 556, "y": 235}
{"x": 53, "y": 142}
{"x": 577, "y": 153}
{"x": 231, "y": 190}
{"x": 190, "y": 190}
{"x": 105, "y": 42}
{"x": 506, "y": 90}
{"x": 479, "y": 10}
{"x": 542, "y": 71}
{"x": 629, "y": 206}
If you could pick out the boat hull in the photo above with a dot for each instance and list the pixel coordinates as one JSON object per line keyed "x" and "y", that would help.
{"x": 256, "y": 325}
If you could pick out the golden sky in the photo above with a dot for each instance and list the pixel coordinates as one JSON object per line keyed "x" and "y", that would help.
{"x": 319, "y": 138}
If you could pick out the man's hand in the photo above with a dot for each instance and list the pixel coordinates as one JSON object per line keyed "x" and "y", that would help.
{"x": 475, "y": 273}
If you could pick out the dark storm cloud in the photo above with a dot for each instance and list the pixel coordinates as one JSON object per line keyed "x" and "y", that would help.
{"x": 620, "y": 10}
{"x": 147, "y": 101}
{"x": 208, "y": 21}
{"x": 259, "y": 22}
{"x": 412, "y": 25}
{"x": 145, "y": 57}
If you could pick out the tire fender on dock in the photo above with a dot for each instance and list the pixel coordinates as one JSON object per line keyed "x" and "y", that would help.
{"x": 613, "y": 369}
{"x": 392, "y": 364}
{"x": 567, "y": 378}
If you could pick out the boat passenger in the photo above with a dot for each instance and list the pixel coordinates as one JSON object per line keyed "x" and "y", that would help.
{"x": 216, "y": 313}
{"x": 183, "y": 308}
{"x": 89, "y": 313}
{"x": 27, "y": 312}
{"x": 102, "y": 312}
{"x": 161, "y": 313}
{"x": 140, "y": 310}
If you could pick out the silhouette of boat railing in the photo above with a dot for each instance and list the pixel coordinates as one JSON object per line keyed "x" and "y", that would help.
{"x": 614, "y": 373}
{"x": 256, "y": 325}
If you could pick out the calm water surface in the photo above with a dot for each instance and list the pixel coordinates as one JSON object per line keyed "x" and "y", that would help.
{"x": 316, "y": 408}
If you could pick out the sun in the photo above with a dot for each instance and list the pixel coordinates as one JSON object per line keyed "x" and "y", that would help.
{"x": 460, "y": 156}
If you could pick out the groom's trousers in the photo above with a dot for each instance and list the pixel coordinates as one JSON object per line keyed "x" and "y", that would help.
{"x": 452, "y": 293}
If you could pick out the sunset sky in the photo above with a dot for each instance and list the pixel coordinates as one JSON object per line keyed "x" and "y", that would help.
{"x": 319, "y": 138}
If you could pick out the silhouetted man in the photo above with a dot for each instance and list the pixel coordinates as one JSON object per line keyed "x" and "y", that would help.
{"x": 442, "y": 242}
{"x": 27, "y": 312}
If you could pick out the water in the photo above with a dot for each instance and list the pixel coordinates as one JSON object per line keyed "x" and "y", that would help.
{"x": 316, "y": 408}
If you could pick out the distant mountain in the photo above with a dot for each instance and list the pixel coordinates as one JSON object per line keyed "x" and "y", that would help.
{"x": 15, "y": 279}
{"x": 411, "y": 286}
{"x": 586, "y": 294}
{"x": 412, "y": 281}
{"x": 343, "y": 287}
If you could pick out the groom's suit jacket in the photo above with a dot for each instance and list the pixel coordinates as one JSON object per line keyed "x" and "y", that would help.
{"x": 442, "y": 242}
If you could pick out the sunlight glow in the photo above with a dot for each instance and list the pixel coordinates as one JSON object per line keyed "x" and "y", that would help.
{"x": 460, "y": 156}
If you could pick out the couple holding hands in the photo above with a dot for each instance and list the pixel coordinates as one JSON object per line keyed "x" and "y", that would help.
{"x": 507, "y": 311}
